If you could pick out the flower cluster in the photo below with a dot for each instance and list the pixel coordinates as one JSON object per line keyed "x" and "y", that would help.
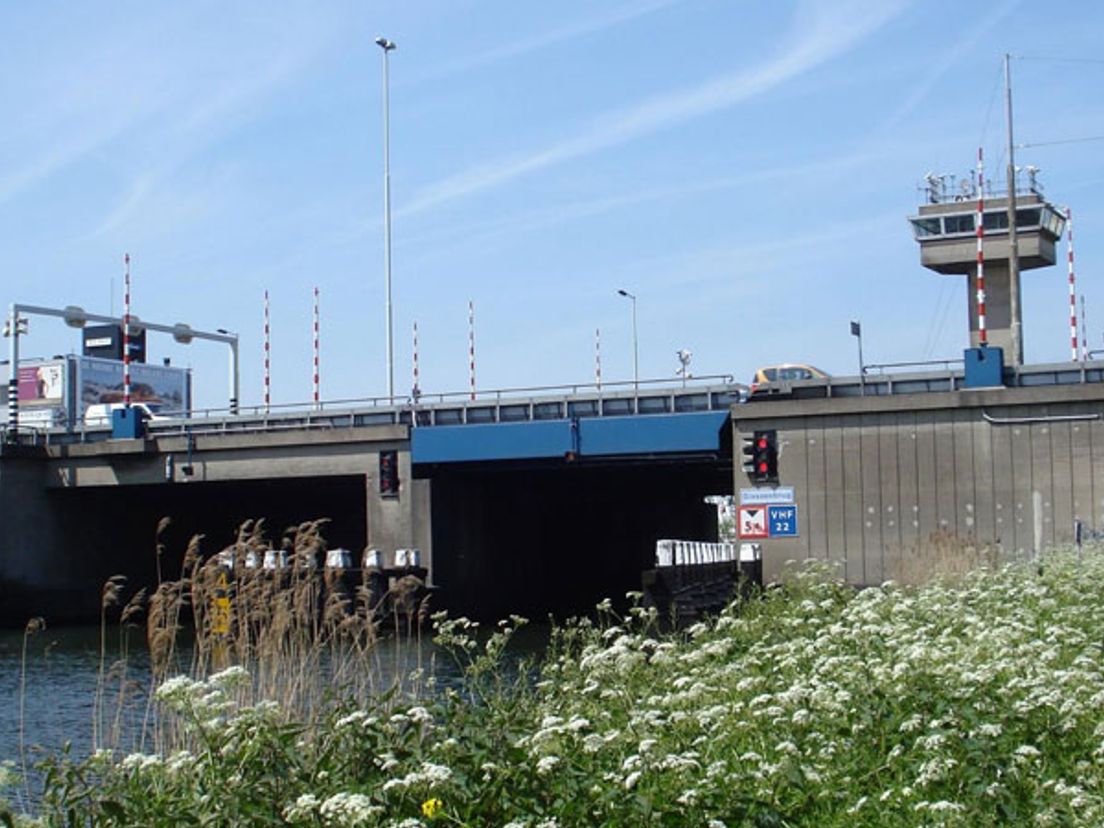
{"x": 979, "y": 702}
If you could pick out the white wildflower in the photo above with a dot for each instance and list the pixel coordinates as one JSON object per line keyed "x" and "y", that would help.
{"x": 235, "y": 676}
{"x": 592, "y": 743}
{"x": 349, "y": 809}
{"x": 304, "y": 807}
{"x": 688, "y": 797}
{"x": 357, "y": 717}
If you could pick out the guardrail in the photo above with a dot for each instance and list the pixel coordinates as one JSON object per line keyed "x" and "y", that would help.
{"x": 705, "y": 393}
{"x": 919, "y": 382}
{"x": 650, "y": 397}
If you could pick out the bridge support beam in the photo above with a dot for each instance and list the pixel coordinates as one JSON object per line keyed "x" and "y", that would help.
{"x": 402, "y": 520}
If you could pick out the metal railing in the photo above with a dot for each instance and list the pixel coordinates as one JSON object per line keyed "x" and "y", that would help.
{"x": 950, "y": 379}
{"x": 880, "y": 367}
{"x": 526, "y": 403}
{"x": 945, "y": 189}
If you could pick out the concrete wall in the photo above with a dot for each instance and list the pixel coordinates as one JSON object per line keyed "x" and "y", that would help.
{"x": 402, "y": 521}
{"x": 898, "y": 487}
{"x": 392, "y": 522}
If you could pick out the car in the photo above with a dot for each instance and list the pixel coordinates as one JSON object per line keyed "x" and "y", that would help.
{"x": 786, "y": 372}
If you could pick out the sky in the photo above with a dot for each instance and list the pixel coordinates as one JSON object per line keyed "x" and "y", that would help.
{"x": 744, "y": 169}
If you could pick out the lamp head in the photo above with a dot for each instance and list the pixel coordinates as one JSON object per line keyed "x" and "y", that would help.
{"x": 385, "y": 44}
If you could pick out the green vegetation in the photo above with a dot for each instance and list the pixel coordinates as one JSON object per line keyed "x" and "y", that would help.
{"x": 974, "y": 703}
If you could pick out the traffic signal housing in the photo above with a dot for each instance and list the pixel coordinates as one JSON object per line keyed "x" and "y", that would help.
{"x": 760, "y": 452}
{"x": 389, "y": 473}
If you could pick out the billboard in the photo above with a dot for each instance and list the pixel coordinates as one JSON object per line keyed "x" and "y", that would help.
{"x": 101, "y": 381}
{"x": 42, "y": 385}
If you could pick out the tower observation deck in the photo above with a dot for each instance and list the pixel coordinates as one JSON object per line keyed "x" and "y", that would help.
{"x": 946, "y": 230}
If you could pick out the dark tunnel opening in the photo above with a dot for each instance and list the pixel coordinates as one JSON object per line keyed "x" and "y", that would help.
{"x": 112, "y": 531}
{"x": 558, "y": 539}
{"x": 527, "y": 538}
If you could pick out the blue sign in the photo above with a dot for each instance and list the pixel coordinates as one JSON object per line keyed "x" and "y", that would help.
{"x": 782, "y": 521}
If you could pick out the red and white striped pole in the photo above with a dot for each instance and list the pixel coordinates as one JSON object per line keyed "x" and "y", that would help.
{"x": 126, "y": 331}
{"x": 267, "y": 357}
{"x": 471, "y": 347}
{"x": 983, "y": 334}
{"x": 317, "y": 381}
{"x": 1072, "y": 285}
{"x": 598, "y": 358}
{"x": 1084, "y": 333}
{"x": 415, "y": 389}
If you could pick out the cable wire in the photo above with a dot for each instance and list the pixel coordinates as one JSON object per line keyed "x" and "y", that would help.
{"x": 1063, "y": 141}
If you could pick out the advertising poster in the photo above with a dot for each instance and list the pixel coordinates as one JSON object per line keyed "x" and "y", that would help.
{"x": 42, "y": 385}
{"x": 101, "y": 381}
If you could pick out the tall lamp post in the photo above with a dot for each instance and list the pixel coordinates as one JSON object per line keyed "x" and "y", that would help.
{"x": 387, "y": 46}
{"x": 636, "y": 350}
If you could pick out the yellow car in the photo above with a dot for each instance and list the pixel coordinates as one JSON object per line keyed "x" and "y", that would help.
{"x": 785, "y": 373}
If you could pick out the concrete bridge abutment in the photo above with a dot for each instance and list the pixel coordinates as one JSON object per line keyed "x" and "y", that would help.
{"x": 904, "y": 487}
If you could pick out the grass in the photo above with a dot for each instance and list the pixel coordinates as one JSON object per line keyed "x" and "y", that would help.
{"x": 972, "y": 702}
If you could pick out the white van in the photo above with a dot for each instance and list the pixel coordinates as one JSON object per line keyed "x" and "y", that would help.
{"x": 99, "y": 414}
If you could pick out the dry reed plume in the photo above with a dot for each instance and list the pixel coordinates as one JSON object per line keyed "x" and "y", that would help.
{"x": 305, "y": 632}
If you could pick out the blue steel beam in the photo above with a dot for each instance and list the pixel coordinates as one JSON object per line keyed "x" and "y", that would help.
{"x": 698, "y": 432}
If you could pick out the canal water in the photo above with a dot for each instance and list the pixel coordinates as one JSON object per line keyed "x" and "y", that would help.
{"x": 48, "y": 695}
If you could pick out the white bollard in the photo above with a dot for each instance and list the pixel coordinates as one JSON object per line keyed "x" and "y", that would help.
{"x": 339, "y": 559}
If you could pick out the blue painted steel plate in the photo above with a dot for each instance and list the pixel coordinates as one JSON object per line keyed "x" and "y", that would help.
{"x": 606, "y": 436}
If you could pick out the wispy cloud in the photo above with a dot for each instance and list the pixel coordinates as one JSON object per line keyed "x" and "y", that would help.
{"x": 545, "y": 40}
{"x": 206, "y": 116}
{"x": 935, "y": 72}
{"x": 144, "y": 101}
{"x": 822, "y": 32}
{"x": 442, "y": 242}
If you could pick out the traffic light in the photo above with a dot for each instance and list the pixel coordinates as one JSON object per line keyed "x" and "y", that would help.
{"x": 760, "y": 452}
{"x": 389, "y": 473}
{"x": 20, "y": 326}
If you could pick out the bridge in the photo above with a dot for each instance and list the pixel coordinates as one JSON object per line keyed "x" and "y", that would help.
{"x": 551, "y": 498}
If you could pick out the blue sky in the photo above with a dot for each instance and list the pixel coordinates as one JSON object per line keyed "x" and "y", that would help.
{"x": 744, "y": 168}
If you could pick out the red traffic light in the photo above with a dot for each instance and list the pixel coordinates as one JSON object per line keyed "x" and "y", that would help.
{"x": 761, "y": 456}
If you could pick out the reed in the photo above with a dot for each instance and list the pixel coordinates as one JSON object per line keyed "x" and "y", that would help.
{"x": 32, "y": 628}
{"x": 307, "y": 635}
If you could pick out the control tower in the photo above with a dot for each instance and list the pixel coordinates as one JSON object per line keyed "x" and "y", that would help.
{"x": 946, "y": 230}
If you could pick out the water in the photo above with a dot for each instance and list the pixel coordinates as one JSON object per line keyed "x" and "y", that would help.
{"x": 48, "y": 699}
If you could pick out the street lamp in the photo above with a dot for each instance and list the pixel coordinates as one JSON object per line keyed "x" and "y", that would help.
{"x": 636, "y": 350}
{"x": 77, "y": 318}
{"x": 387, "y": 46}
{"x": 183, "y": 334}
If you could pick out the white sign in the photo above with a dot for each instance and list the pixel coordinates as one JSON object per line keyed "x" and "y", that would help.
{"x": 752, "y": 522}
{"x": 758, "y": 497}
